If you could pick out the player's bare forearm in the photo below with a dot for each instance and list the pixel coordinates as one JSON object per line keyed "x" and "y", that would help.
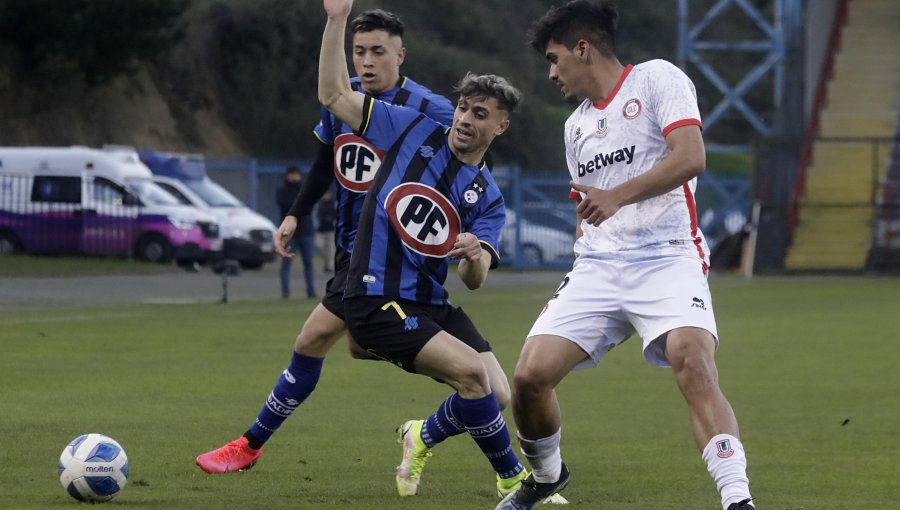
{"x": 284, "y": 234}
{"x": 334, "y": 79}
{"x": 686, "y": 161}
{"x": 474, "y": 261}
{"x": 474, "y": 273}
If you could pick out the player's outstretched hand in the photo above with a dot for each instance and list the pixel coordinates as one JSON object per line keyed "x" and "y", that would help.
{"x": 597, "y": 206}
{"x": 283, "y": 236}
{"x": 338, "y": 8}
{"x": 466, "y": 247}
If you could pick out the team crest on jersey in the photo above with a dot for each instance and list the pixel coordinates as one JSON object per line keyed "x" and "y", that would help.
{"x": 632, "y": 109}
{"x": 425, "y": 220}
{"x": 356, "y": 162}
{"x": 601, "y": 127}
{"x": 474, "y": 192}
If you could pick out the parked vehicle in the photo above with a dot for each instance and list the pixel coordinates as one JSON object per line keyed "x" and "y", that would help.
{"x": 247, "y": 235}
{"x": 544, "y": 238}
{"x": 79, "y": 200}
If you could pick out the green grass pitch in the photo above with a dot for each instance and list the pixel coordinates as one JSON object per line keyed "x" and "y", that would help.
{"x": 809, "y": 364}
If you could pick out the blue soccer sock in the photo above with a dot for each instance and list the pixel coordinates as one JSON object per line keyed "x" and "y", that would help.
{"x": 484, "y": 422}
{"x": 444, "y": 423}
{"x": 295, "y": 384}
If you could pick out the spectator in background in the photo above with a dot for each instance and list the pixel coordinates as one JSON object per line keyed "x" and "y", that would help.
{"x": 325, "y": 217}
{"x": 303, "y": 242}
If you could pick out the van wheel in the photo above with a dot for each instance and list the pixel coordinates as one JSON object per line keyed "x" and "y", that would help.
{"x": 154, "y": 248}
{"x": 9, "y": 243}
{"x": 532, "y": 256}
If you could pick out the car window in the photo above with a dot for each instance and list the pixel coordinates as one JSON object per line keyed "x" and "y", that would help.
{"x": 550, "y": 218}
{"x": 150, "y": 193}
{"x": 175, "y": 192}
{"x": 108, "y": 192}
{"x": 63, "y": 190}
{"x": 213, "y": 194}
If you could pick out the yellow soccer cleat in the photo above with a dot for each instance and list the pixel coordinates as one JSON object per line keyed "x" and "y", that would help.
{"x": 415, "y": 454}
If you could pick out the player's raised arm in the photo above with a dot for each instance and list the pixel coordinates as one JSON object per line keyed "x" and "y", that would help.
{"x": 334, "y": 79}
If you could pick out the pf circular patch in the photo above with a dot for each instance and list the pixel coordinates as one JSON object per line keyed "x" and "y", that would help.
{"x": 425, "y": 220}
{"x": 356, "y": 162}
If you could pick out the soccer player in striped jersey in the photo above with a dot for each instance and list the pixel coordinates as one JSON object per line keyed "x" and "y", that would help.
{"x": 378, "y": 53}
{"x": 634, "y": 151}
{"x": 431, "y": 200}
{"x": 377, "y": 56}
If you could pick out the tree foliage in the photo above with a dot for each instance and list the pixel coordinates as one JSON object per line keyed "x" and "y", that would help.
{"x": 253, "y": 63}
{"x": 96, "y": 40}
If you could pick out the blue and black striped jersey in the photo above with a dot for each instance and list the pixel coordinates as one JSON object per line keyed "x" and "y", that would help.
{"x": 356, "y": 160}
{"x": 419, "y": 201}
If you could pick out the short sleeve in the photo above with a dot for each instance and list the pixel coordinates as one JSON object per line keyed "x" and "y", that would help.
{"x": 490, "y": 216}
{"x": 672, "y": 97}
{"x": 488, "y": 225}
{"x": 324, "y": 130}
{"x": 384, "y": 123}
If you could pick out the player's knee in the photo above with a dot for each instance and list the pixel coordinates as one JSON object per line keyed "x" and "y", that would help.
{"x": 689, "y": 345}
{"x": 529, "y": 379}
{"x": 314, "y": 340}
{"x": 693, "y": 363}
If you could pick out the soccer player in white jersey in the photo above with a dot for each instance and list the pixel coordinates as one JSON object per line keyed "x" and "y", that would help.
{"x": 634, "y": 151}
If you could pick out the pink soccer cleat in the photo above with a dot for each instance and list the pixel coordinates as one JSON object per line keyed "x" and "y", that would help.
{"x": 234, "y": 456}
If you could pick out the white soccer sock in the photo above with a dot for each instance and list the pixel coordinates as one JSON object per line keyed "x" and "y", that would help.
{"x": 544, "y": 457}
{"x": 727, "y": 464}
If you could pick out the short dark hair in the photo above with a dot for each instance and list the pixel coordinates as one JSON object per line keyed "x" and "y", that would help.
{"x": 490, "y": 85}
{"x": 595, "y": 22}
{"x": 377, "y": 19}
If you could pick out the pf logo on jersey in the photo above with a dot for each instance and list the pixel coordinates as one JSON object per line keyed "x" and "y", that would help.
{"x": 356, "y": 162}
{"x": 425, "y": 220}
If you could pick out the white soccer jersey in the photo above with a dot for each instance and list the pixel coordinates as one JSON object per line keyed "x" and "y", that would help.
{"x": 613, "y": 142}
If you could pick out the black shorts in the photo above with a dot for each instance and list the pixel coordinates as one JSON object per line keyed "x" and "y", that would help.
{"x": 396, "y": 330}
{"x": 334, "y": 289}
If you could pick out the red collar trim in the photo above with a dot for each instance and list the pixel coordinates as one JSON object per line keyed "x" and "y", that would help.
{"x": 615, "y": 90}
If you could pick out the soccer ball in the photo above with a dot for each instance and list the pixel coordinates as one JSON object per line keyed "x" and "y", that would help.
{"x": 93, "y": 468}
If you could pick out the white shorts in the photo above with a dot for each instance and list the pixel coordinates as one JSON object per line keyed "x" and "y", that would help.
{"x": 602, "y": 302}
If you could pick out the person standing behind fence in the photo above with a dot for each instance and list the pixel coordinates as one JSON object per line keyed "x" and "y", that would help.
{"x": 325, "y": 217}
{"x": 303, "y": 242}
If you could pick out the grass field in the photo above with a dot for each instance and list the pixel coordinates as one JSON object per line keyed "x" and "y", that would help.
{"x": 809, "y": 364}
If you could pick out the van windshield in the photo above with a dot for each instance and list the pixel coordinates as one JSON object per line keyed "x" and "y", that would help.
{"x": 213, "y": 194}
{"x": 152, "y": 194}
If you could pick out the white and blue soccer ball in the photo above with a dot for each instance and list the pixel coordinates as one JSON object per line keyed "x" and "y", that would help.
{"x": 93, "y": 467}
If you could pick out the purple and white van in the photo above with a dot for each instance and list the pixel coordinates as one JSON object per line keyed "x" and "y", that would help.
{"x": 84, "y": 201}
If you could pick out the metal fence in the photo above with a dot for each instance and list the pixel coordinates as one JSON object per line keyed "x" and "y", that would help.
{"x": 540, "y": 222}
{"x": 867, "y": 187}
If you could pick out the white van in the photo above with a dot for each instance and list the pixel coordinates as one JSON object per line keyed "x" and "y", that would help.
{"x": 79, "y": 200}
{"x": 247, "y": 235}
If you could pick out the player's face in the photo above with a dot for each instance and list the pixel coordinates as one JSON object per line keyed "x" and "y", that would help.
{"x": 476, "y": 122}
{"x": 566, "y": 69}
{"x": 377, "y": 56}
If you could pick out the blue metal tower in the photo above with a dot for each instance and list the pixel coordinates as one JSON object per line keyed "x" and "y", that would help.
{"x": 780, "y": 31}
